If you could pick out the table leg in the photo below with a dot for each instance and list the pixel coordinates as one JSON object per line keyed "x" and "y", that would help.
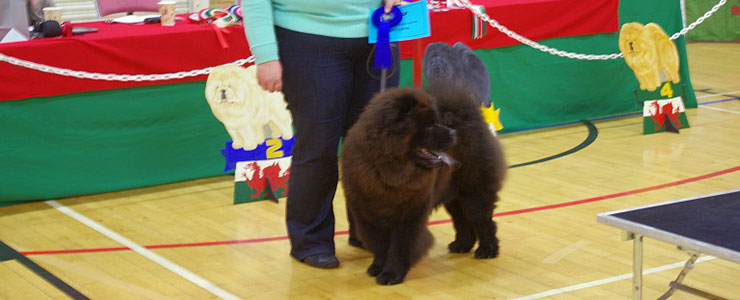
{"x": 637, "y": 267}
{"x": 685, "y": 271}
{"x": 678, "y": 283}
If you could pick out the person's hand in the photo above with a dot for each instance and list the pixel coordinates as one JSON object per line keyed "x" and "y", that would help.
{"x": 270, "y": 76}
{"x": 389, "y": 4}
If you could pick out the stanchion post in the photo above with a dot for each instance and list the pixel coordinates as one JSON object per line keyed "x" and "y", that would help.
{"x": 418, "y": 55}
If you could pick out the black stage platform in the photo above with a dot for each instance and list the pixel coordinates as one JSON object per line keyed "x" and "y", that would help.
{"x": 708, "y": 224}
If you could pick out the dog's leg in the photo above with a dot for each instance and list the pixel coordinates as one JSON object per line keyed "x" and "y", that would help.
{"x": 236, "y": 139}
{"x": 377, "y": 266}
{"x": 259, "y": 134}
{"x": 654, "y": 80}
{"x": 404, "y": 249}
{"x": 479, "y": 212}
{"x": 488, "y": 247}
{"x": 397, "y": 263}
{"x": 376, "y": 240}
{"x": 248, "y": 137}
{"x": 283, "y": 126}
{"x": 464, "y": 234}
{"x": 275, "y": 131}
{"x": 641, "y": 80}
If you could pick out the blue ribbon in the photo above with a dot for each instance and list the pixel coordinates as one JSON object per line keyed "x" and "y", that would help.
{"x": 384, "y": 22}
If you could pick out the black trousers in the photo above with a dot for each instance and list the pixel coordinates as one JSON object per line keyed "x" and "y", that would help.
{"x": 327, "y": 82}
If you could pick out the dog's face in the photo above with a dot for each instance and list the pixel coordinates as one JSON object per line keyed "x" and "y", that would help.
{"x": 227, "y": 90}
{"x": 408, "y": 118}
{"x": 635, "y": 45}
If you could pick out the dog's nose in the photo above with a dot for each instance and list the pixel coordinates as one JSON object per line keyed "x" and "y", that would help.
{"x": 223, "y": 94}
{"x": 631, "y": 48}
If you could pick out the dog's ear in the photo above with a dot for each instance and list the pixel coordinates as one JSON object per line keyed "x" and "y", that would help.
{"x": 404, "y": 103}
{"x": 211, "y": 83}
{"x": 398, "y": 104}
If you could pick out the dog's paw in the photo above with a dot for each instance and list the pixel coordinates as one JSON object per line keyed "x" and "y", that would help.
{"x": 389, "y": 278}
{"x": 459, "y": 247}
{"x": 374, "y": 270}
{"x": 486, "y": 252}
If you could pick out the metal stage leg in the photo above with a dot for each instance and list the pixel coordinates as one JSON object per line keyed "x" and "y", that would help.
{"x": 636, "y": 267}
{"x": 678, "y": 285}
{"x": 685, "y": 271}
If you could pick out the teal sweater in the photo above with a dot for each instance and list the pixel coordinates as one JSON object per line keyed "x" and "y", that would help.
{"x": 334, "y": 18}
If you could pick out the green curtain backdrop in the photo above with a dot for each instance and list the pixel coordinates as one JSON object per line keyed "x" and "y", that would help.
{"x": 722, "y": 26}
{"x": 121, "y": 139}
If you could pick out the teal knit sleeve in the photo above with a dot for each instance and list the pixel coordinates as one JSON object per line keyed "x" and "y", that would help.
{"x": 260, "y": 30}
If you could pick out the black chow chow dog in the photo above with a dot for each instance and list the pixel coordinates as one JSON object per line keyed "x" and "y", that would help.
{"x": 410, "y": 151}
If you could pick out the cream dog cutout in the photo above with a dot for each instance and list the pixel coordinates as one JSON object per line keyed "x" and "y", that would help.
{"x": 648, "y": 51}
{"x": 245, "y": 108}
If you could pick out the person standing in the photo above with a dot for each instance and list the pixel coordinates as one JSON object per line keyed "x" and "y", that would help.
{"x": 317, "y": 53}
{"x": 35, "y": 10}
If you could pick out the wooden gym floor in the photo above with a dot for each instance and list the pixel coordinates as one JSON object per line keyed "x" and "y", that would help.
{"x": 187, "y": 241}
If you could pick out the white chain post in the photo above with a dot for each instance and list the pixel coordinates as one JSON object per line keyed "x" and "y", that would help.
{"x": 465, "y": 3}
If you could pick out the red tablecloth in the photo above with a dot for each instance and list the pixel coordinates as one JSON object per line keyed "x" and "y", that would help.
{"x": 119, "y": 49}
{"x": 154, "y": 49}
{"x": 534, "y": 19}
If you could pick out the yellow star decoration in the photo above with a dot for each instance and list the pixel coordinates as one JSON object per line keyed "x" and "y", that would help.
{"x": 490, "y": 116}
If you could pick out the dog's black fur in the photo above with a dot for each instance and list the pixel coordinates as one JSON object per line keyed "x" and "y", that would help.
{"x": 410, "y": 151}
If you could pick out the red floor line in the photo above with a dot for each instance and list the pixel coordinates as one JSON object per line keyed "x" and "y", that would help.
{"x": 501, "y": 214}
{"x": 233, "y": 242}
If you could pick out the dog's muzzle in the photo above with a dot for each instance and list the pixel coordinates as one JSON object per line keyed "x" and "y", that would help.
{"x": 223, "y": 95}
{"x": 434, "y": 159}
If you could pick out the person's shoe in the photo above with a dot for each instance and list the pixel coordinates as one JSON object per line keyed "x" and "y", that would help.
{"x": 355, "y": 243}
{"x": 324, "y": 261}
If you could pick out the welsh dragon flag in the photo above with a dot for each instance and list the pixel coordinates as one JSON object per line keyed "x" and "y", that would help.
{"x": 663, "y": 110}
{"x": 262, "y": 173}
{"x": 251, "y": 180}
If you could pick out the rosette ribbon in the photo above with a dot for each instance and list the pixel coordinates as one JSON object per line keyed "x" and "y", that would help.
{"x": 384, "y": 22}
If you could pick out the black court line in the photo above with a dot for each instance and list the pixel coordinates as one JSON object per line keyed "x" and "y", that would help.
{"x": 709, "y": 91}
{"x": 593, "y": 133}
{"x": 719, "y": 101}
{"x": 8, "y": 253}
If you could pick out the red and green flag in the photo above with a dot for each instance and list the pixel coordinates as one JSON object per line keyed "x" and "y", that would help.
{"x": 663, "y": 110}
{"x": 261, "y": 180}
{"x": 262, "y": 173}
